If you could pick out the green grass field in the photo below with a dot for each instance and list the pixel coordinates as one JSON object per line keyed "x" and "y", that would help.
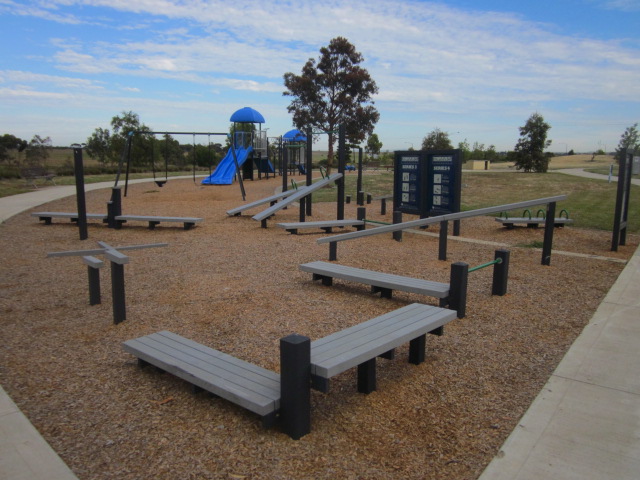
{"x": 590, "y": 203}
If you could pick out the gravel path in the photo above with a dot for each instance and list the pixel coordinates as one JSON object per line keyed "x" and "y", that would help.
{"x": 231, "y": 285}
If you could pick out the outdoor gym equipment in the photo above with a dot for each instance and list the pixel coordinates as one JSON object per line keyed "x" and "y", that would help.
{"x": 118, "y": 260}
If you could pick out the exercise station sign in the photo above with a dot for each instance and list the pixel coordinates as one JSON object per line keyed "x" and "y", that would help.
{"x": 427, "y": 182}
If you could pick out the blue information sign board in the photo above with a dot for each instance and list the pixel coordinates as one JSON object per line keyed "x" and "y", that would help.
{"x": 427, "y": 182}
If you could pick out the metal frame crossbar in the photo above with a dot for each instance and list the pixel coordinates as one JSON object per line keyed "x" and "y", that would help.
{"x": 444, "y": 219}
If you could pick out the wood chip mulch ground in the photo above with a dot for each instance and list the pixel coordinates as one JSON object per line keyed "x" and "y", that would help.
{"x": 233, "y": 286}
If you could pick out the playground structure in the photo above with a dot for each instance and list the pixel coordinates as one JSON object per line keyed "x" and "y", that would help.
{"x": 247, "y": 144}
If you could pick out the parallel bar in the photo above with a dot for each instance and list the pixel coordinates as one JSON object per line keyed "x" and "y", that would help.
{"x": 98, "y": 251}
{"x": 431, "y": 220}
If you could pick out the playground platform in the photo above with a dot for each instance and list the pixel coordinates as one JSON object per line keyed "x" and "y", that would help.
{"x": 583, "y": 424}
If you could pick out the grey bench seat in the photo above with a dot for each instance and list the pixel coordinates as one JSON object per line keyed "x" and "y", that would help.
{"x": 384, "y": 283}
{"x": 361, "y": 344}
{"x": 326, "y": 225}
{"x": 73, "y": 216}
{"x": 245, "y": 384}
{"x": 271, "y": 199}
{"x": 155, "y": 220}
{"x": 532, "y": 222}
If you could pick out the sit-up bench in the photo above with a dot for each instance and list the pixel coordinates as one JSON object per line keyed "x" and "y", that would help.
{"x": 47, "y": 216}
{"x": 153, "y": 221}
{"x": 532, "y": 222}
{"x": 326, "y": 225}
{"x": 271, "y": 395}
{"x": 385, "y": 283}
{"x": 240, "y": 382}
{"x": 361, "y": 344}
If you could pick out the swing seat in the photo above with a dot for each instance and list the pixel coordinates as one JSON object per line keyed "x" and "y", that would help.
{"x": 160, "y": 183}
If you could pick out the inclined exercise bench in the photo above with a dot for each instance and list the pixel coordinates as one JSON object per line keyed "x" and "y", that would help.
{"x": 304, "y": 364}
{"x": 532, "y": 222}
{"x": 384, "y": 283}
{"x": 326, "y": 225}
{"x": 153, "y": 220}
{"x": 47, "y": 216}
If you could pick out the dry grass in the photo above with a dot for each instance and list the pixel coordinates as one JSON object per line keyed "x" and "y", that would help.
{"x": 233, "y": 286}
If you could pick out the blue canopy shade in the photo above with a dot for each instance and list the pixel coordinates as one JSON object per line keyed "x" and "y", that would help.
{"x": 247, "y": 115}
{"x": 294, "y": 136}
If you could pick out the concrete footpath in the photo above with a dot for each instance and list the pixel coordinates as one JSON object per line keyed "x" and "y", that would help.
{"x": 584, "y": 424}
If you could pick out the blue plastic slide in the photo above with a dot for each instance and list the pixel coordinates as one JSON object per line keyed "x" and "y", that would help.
{"x": 226, "y": 169}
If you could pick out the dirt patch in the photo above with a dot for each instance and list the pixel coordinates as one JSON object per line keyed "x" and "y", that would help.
{"x": 231, "y": 285}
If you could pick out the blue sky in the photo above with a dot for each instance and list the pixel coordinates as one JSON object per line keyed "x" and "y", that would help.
{"x": 475, "y": 69}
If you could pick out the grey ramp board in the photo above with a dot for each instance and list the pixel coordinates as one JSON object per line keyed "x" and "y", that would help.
{"x": 152, "y": 218}
{"x": 321, "y": 224}
{"x": 302, "y": 192}
{"x": 348, "y": 348}
{"x": 235, "y": 380}
{"x": 71, "y": 215}
{"x": 379, "y": 279}
{"x": 262, "y": 201}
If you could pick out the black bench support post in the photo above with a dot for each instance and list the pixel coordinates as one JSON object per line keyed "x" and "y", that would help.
{"x": 333, "y": 251}
{"x": 94, "y": 285}
{"x": 361, "y": 215}
{"x": 80, "y": 195}
{"x": 417, "y": 349}
{"x": 369, "y": 198}
{"x": 383, "y": 206}
{"x": 114, "y": 207}
{"x": 295, "y": 381}
{"x": 458, "y": 288}
{"x": 117, "y": 288}
{"x": 347, "y": 199}
{"x": 548, "y": 233}
{"x": 303, "y": 209}
{"x": 397, "y": 218}
{"x": 500, "y": 273}
{"x": 442, "y": 244}
{"x": 367, "y": 376}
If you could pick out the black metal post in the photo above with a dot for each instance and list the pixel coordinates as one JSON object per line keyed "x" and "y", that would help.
{"x": 458, "y": 288}
{"x": 360, "y": 198}
{"x": 94, "y": 285}
{"x": 309, "y": 166}
{"x": 114, "y": 208}
{"x": 361, "y": 215}
{"x": 397, "y": 218}
{"x": 341, "y": 164}
{"x": 303, "y": 208}
{"x": 549, "y": 225}
{"x": 117, "y": 292}
{"x": 333, "y": 251}
{"x": 369, "y": 198}
{"x": 347, "y": 199}
{"x": 295, "y": 389}
{"x": 500, "y": 273}
{"x": 442, "y": 244}
{"x": 285, "y": 167}
{"x": 359, "y": 181}
{"x": 383, "y": 206}
{"x": 80, "y": 198}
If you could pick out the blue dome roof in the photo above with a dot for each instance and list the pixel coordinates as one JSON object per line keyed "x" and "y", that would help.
{"x": 247, "y": 115}
{"x": 294, "y": 136}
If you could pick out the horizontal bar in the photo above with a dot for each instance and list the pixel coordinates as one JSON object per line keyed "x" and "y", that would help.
{"x": 492, "y": 262}
{"x": 99, "y": 251}
{"x": 440, "y": 218}
{"x": 181, "y": 133}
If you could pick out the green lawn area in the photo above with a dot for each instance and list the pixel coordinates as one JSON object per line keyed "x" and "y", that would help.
{"x": 590, "y": 203}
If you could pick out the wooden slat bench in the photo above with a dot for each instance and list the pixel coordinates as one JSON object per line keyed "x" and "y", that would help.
{"x": 384, "y": 283}
{"x": 154, "y": 220}
{"x": 73, "y": 216}
{"x": 533, "y": 222}
{"x": 247, "y": 385}
{"x": 326, "y": 225}
{"x": 361, "y": 344}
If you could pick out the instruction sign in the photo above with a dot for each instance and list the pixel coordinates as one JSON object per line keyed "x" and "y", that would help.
{"x": 427, "y": 182}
